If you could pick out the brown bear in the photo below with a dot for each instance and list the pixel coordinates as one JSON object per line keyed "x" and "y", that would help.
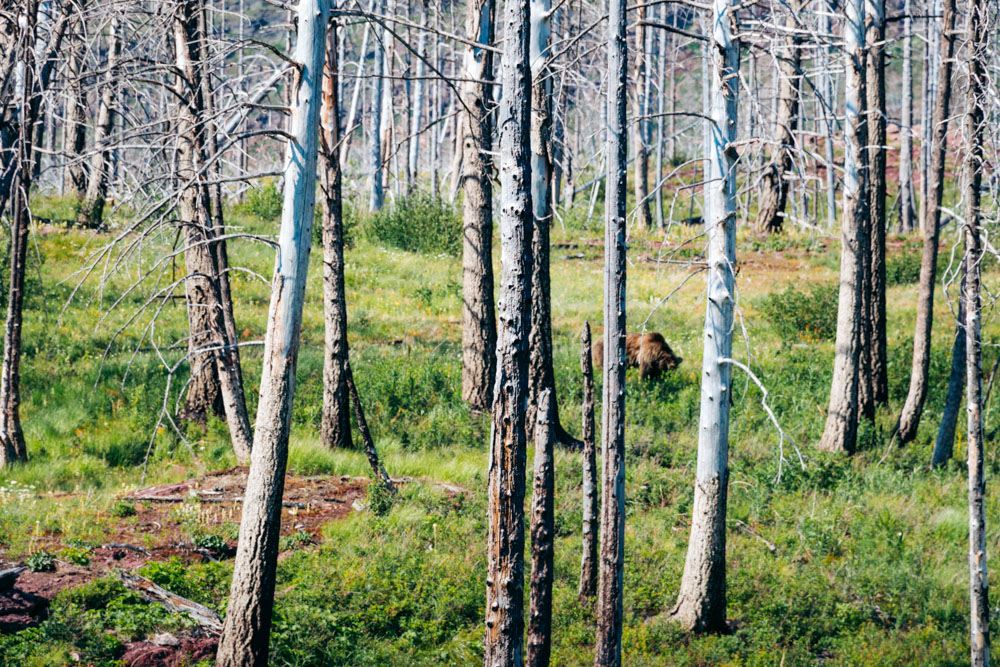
{"x": 648, "y": 352}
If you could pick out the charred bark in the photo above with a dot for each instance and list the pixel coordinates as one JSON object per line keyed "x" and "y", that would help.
{"x": 542, "y": 536}
{"x": 591, "y": 505}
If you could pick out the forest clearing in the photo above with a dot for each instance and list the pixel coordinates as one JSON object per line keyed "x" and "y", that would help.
{"x": 520, "y": 333}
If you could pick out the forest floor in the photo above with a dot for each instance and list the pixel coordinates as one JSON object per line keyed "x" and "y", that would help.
{"x": 868, "y": 564}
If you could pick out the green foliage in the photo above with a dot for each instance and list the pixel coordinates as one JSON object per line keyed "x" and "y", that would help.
{"x": 296, "y": 540}
{"x": 214, "y": 543}
{"x": 802, "y": 313}
{"x": 41, "y": 561}
{"x": 418, "y": 223}
{"x": 380, "y": 498}
{"x": 76, "y": 555}
{"x": 351, "y": 221}
{"x": 122, "y": 509}
{"x": 263, "y": 201}
{"x": 902, "y": 268}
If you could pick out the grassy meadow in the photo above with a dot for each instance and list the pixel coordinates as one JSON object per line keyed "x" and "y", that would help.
{"x": 869, "y": 565}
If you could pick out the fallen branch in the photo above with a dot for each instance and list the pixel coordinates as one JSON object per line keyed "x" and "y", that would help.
{"x": 181, "y": 499}
{"x": 172, "y": 602}
{"x": 771, "y": 546}
{"x": 9, "y": 577}
{"x": 115, "y": 545}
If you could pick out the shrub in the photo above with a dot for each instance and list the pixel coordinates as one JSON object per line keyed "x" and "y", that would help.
{"x": 419, "y": 223}
{"x": 122, "y": 509}
{"x": 76, "y": 555}
{"x": 41, "y": 561}
{"x": 380, "y": 498}
{"x": 808, "y": 314}
{"x": 214, "y": 543}
{"x": 902, "y": 268}
{"x": 263, "y": 201}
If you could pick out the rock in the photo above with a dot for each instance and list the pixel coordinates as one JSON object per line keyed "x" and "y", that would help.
{"x": 166, "y": 639}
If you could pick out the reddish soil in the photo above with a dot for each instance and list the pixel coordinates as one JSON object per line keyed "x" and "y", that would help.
{"x": 157, "y": 532}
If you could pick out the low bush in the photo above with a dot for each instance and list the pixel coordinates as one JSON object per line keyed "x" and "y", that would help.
{"x": 808, "y": 314}
{"x": 902, "y": 268}
{"x": 418, "y": 223}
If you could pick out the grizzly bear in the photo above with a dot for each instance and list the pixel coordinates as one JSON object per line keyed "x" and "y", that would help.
{"x": 648, "y": 352}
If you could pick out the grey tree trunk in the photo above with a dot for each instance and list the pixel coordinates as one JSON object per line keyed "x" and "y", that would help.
{"x": 91, "y": 211}
{"x": 335, "y": 421}
{"x": 246, "y": 633}
{"x": 542, "y": 536}
{"x": 829, "y": 92}
{"x": 591, "y": 505}
{"x": 974, "y": 129}
{"x": 774, "y": 186}
{"x": 701, "y": 601}
{"x": 379, "y": 475}
{"x": 945, "y": 443}
{"x": 909, "y": 419}
{"x": 12, "y": 445}
{"x": 906, "y": 196}
{"x": 642, "y": 218}
{"x": 504, "y": 641}
{"x": 478, "y": 318}
{"x": 416, "y": 119}
{"x": 608, "y": 649}
{"x": 377, "y": 195}
{"x": 932, "y": 65}
{"x": 877, "y": 364}
{"x": 359, "y": 84}
{"x": 840, "y": 433}
{"x": 75, "y": 141}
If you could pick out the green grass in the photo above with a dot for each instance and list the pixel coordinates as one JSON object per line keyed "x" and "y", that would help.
{"x": 870, "y": 562}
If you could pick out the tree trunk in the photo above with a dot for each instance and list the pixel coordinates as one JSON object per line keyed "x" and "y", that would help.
{"x": 91, "y": 211}
{"x": 933, "y": 25}
{"x": 75, "y": 142}
{"x": 376, "y": 194}
{"x": 542, "y": 536}
{"x": 416, "y": 119}
{"x": 642, "y": 213}
{"x": 829, "y": 92}
{"x": 608, "y": 649}
{"x": 505, "y": 539}
{"x": 909, "y": 419}
{"x": 906, "y": 197}
{"x": 840, "y": 433}
{"x": 975, "y": 121}
{"x": 877, "y": 393}
{"x": 945, "y": 442}
{"x": 335, "y": 421}
{"x": 379, "y": 475}
{"x": 12, "y": 445}
{"x": 701, "y": 602}
{"x": 246, "y": 634}
{"x": 774, "y": 186}
{"x": 478, "y": 318}
{"x": 591, "y": 507}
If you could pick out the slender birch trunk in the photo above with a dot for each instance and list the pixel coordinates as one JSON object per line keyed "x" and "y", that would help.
{"x": 909, "y": 418}
{"x": 246, "y": 633}
{"x": 504, "y": 642}
{"x": 975, "y": 122}
{"x": 608, "y": 649}
{"x": 479, "y": 332}
{"x": 701, "y": 602}
{"x": 774, "y": 183}
{"x": 840, "y": 433}
{"x": 335, "y": 421}
{"x": 591, "y": 505}
{"x": 542, "y": 536}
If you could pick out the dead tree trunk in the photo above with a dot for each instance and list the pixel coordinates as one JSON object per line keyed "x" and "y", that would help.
{"x": 945, "y": 443}
{"x": 335, "y": 421}
{"x": 877, "y": 363}
{"x": 12, "y": 445}
{"x": 642, "y": 212}
{"x": 504, "y": 641}
{"x": 379, "y": 475}
{"x": 246, "y": 633}
{"x": 377, "y": 194}
{"x": 909, "y": 418}
{"x": 92, "y": 209}
{"x": 542, "y": 536}
{"x": 701, "y": 601}
{"x": 479, "y": 331}
{"x": 608, "y": 649}
{"x": 841, "y": 429}
{"x": 906, "y": 196}
{"x": 591, "y": 506}
{"x": 75, "y": 142}
{"x": 975, "y": 121}
{"x": 774, "y": 183}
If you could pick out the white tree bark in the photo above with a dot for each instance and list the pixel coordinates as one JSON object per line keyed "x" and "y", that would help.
{"x": 247, "y": 628}
{"x": 376, "y": 194}
{"x": 701, "y": 602}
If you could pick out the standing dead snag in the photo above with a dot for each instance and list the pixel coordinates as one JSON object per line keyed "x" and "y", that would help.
{"x": 379, "y": 475}
{"x": 247, "y": 629}
{"x": 503, "y": 646}
{"x": 975, "y": 119}
{"x": 542, "y": 536}
{"x": 701, "y": 602}
{"x": 479, "y": 327}
{"x": 335, "y": 422}
{"x": 909, "y": 418}
{"x": 840, "y": 433}
{"x": 608, "y": 649}
{"x": 588, "y": 564}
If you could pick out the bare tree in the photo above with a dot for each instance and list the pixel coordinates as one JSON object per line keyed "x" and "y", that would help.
{"x": 642, "y": 208}
{"x": 478, "y": 319}
{"x": 246, "y": 633}
{"x": 542, "y": 536}
{"x": 608, "y": 649}
{"x": 377, "y": 194}
{"x": 504, "y": 643}
{"x": 909, "y": 418}
{"x": 945, "y": 442}
{"x": 701, "y": 601}
{"x": 591, "y": 505}
{"x": 840, "y": 432}
{"x": 906, "y": 196}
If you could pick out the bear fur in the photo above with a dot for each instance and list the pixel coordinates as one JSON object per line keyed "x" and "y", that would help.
{"x": 648, "y": 352}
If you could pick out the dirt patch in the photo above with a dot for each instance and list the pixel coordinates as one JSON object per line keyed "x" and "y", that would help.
{"x": 170, "y": 652}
